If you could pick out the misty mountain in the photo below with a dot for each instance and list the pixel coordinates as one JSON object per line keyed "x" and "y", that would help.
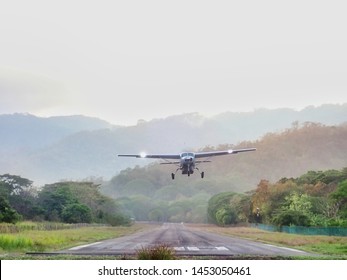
{"x": 290, "y": 153}
{"x": 22, "y": 132}
{"x": 77, "y": 147}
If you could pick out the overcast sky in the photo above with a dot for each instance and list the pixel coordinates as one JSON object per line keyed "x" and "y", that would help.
{"x": 128, "y": 60}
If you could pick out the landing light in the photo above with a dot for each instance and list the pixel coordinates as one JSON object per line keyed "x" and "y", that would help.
{"x": 230, "y": 151}
{"x": 143, "y": 155}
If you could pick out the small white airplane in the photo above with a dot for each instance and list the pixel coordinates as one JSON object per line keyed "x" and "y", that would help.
{"x": 188, "y": 160}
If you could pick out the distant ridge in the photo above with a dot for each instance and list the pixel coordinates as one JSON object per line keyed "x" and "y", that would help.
{"x": 289, "y": 154}
{"x": 77, "y": 147}
{"x": 26, "y": 131}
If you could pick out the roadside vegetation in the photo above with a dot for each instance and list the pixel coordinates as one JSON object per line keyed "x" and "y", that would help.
{"x": 325, "y": 246}
{"x": 43, "y": 237}
{"x": 65, "y": 202}
{"x": 16, "y": 245}
{"x": 315, "y": 199}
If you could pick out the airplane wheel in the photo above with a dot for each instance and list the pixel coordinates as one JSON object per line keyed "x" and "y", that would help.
{"x": 173, "y": 176}
{"x": 202, "y": 174}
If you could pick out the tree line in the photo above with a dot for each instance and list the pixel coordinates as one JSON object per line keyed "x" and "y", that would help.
{"x": 68, "y": 202}
{"x": 149, "y": 193}
{"x": 317, "y": 198}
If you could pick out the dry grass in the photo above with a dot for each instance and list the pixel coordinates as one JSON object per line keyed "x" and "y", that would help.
{"x": 51, "y": 240}
{"x": 157, "y": 252}
{"x": 330, "y": 245}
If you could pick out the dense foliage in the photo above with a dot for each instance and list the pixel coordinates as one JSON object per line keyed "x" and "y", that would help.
{"x": 316, "y": 198}
{"x": 69, "y": 202}
{"x": 148, "y": 193}
{"x": 313, "y": 199}
{"x": 227, "y": 208}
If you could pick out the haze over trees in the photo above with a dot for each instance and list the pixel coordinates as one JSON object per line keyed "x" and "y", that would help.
{"x": 317, "y": 198}
{"x": 73, "y": 148}
{"x": 144, "y": 190}
{"x": 233, "y": 189}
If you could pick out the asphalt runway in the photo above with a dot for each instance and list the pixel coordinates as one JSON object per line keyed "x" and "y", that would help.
{"x": 186, "y": 241}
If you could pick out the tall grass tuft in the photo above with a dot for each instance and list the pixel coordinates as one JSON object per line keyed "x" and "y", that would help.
{"x": 15, "y": 243}
{"x": 157, "y": 252}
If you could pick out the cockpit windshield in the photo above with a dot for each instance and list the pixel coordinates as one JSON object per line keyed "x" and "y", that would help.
{"x": 188, "y": 155}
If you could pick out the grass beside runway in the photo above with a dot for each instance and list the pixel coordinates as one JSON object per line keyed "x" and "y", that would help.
{"x": 329, "y": 246}
{"x": 15, "y": 245}
{"x": 38, "y": 240}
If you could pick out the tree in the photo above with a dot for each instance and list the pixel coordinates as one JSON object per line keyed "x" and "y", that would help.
{"x": 15, "y": 185}
{"x": 53, "y": 199}
{"x": 268, "y": 198}
{"x": 7, "y": 213}
{"x": 226, "y": 216}
{"x": 76, "y": 213}
{"x": 19, "y": 193}
{"x": 302, "y": 210}
{"x": 77, "y": 202}
{"x": 288, "y": 217}
{"x": 299, "y": 202}
{"x": 340, "y": 198}
{"x": 225, "y": 208}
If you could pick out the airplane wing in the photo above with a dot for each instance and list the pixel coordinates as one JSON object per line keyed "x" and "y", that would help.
{"x": 222, "y": 153}
{"x": 162, "y": 156}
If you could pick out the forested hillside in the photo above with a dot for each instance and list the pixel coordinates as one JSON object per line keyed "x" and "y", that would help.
{"x": 77, "y": 147}
{"x": 149, "y": 193}
{"x": 313, "y": 199}
{"x": 317, "y": 198}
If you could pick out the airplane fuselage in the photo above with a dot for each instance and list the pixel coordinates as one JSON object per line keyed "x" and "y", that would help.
{"x": 187, "y": 163}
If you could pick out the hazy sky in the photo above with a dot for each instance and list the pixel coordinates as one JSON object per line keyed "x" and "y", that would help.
{"x": 129, "y": 60}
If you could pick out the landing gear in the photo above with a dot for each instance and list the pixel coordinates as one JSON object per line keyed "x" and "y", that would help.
{"x": 189, "y": 172}
{"x": 173, "y": 174}
{"x": 202, "y": 174}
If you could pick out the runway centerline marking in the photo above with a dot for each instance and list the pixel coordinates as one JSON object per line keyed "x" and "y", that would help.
{"x": 179, "y": 248}
{"x": 222, "y": 248}
{"x": 193, "y": 248}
